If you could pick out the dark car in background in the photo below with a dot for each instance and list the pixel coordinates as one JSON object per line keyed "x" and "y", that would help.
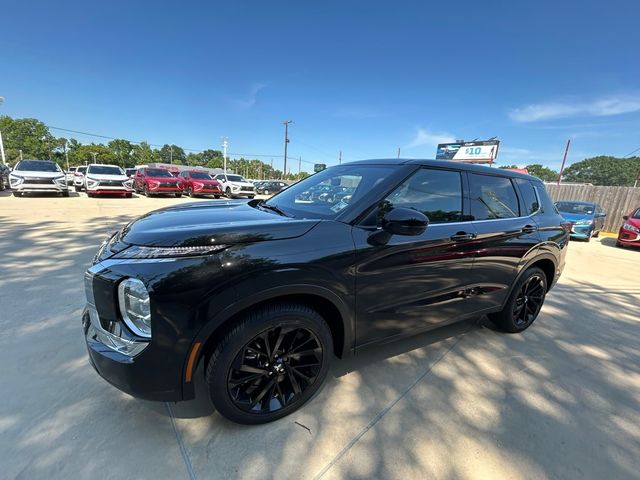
{"x": 154, "y": 181}
{"x": 264, "y": 293}
{"x": 629, "y": 233}
{"x": 586, "y": 218}
{"x": 4, "y": 177}
{"x": 270, "y": 187}
{"x": 130, "y": 172}
{"x": 197, "y": 182}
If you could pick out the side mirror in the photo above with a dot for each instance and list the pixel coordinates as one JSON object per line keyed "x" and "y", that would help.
{"x": 625, "y": 217}
{"x": 601, "y": 214}
{"x": 404, "y": 221}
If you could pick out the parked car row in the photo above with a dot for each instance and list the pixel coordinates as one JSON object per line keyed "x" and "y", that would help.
{"x": 587, "y": 221}
{"x": 99, "y": 179}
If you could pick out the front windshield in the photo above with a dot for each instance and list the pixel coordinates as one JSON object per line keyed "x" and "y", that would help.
{"x": 37, "y": 166}
{"x": 158, "y": 172}
{"x": 330, "y": 192}
{"x": 235, "y": 178}
{"x": 104, "y": 170}
{"x": 575, "y": 207}
{"x": 200, "y": 175}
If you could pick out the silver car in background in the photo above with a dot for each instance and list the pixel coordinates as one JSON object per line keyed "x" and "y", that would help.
{"x": 38, "y": 176}
{"x": 78, "y": 178}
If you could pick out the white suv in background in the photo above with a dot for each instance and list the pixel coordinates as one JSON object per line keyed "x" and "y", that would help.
{"x": 78, "y": 177}
{"x": 102, "y": 179}
{"x": 38, "y": 176}
{"x": 235, "y": 186}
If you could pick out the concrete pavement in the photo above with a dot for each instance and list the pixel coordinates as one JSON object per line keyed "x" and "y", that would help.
{"x": 559, "y": 401}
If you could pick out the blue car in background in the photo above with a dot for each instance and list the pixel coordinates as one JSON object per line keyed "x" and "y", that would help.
{"x": 587, "y": 218}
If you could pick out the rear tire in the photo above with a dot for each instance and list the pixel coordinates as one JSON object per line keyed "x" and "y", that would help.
{"x": 524, "y": 303}
{"x": 216, "y": 197}
{"x": 78, "y": 189}
{"x": 178, "y": 195}
{"x": 65, "y": 193}
{"x": 258, "y": 373}
{"x": 17, "y": 194}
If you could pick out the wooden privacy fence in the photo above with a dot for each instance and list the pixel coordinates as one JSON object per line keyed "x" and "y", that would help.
{"x": 616, "y": 201}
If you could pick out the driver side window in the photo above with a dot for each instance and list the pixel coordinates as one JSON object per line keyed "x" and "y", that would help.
{"x": 435, "y": 193}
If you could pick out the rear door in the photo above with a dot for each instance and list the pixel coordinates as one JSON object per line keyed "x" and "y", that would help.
{"x": 503, "y": 210}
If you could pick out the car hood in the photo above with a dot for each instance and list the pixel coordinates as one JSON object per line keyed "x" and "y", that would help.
{"x": 212, "y": 223}
{"x": 240, "y": 184}
{"x": 32, "y": 174}
{"x": 574, "y": 217}
{"x": 633, "y": 221}
{"x": 205, "y": 182}
{"x": 121, "y": 178}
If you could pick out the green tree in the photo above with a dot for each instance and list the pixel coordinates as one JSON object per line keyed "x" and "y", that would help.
{"x": 28, "y": 135}
{"x": 143, "y": 154}
{"x": 543, "y": 173}
{"x": 508, "y": 167}
{"x": 604, "y": 170}
{"x": 172, "y": 154}
{"x": 122, "y": 151}
{"x": 84, "y": 154}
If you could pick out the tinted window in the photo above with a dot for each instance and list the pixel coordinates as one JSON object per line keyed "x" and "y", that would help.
{"x": 492, "y": 197}
{"x": 235, "y": 178}
{"x": 637, "y": 214}
{"x": 104, "y": 170}
{"x": 37, "y": 166}
{"x": 529, "y": 198}
{"x": 158, "y": 172}
{"x": 200, "y": 175}
{"x": 576, "y": 207}
{"x": 436, "y": 193}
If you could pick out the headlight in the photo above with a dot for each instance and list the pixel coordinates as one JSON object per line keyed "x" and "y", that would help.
{"x": 61, "y": 180}
{"x": 15, "y": 180}
{"x": 133, "y": 300}
{"x": 631, "y": 228}
{"x": 584, "y": 222}
{"x": 136, "y": 251}
{"x": 92, "y": 182}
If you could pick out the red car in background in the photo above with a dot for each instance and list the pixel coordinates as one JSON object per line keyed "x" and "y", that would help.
{"x": 629, "y": 234}
{"x": 197, "y": 182}
{"x": 153, "y": 181}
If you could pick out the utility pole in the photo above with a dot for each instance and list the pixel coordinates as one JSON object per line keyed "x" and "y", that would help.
{"x": 20, "y": 154}
{"x": 94, "y": 156}
{"x": 564, "y": 159}
{"x": 66, "y": 155}
{"x": 225, "y": 144}
{"x": 398, "y": 152}
{"x": 4, "y": 160}
{"x": 171, "y": 154}
{"x": 286, "y": 141}
{"x": 340, "y": 158}
{"x": 299, "y": 165}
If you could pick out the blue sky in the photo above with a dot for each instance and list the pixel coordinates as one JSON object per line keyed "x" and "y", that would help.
{"x": 364, "y": 77}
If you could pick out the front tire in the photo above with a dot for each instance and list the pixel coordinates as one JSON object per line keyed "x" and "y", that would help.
{"x": 65, "y": 193}
{"x": 227, "y": 192}
{"x": 270, "y": 364}
{"x": 146, "y": 191}
{"x": 524, "y": 303}
{"x": 17, "y": 194}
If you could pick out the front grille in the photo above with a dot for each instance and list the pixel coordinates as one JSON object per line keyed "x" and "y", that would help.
{"x": 168, "y": 184}
{"x": 39, "y": 181}
{"x": 110, "y": 183}
{"x": 248, "y": 189}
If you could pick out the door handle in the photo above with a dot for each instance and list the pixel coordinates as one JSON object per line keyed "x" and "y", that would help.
{"x": 529, "y": 229}
{"x": 462, "y": 236}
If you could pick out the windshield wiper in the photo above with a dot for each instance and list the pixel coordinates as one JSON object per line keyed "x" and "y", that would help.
{"x": 273, "y": 208}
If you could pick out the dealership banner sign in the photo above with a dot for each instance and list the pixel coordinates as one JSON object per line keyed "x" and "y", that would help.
{"x": 484, "y": 151}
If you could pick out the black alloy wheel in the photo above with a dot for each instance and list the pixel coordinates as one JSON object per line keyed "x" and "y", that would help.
{"x": 269, "y": 364}
{"x": 228, "y": 192}
{"x": 524, "y": 303}
{"x": 274, "y": 369}
{"x": 529, "y": 301}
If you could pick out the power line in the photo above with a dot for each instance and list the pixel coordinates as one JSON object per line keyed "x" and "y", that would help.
{"x": 631, "y": 153}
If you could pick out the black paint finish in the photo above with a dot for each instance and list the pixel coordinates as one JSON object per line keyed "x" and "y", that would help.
{"x": 371, "y": 286}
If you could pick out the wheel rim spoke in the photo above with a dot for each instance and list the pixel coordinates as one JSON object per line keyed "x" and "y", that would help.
{"x": 274, "y": 369}
{"x": 529, "y": 301}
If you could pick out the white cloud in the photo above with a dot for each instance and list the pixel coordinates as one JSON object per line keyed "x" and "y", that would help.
{"x": 425, "y": 137}
{"x": 248, "y": 101}
{"x": 602, "y": 107}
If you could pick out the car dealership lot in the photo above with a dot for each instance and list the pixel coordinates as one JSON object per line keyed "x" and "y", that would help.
{"x": 559, "y": 401}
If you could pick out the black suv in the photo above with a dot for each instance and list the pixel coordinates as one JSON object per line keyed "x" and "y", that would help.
{"x": 266, "y": 293}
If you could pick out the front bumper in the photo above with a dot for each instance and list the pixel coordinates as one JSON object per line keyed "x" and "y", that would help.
{"x": 582, "y": 232}
{"x": 36, "y": 187}
{"x": 628, "y": 238}
{"x": 109, "y": 191}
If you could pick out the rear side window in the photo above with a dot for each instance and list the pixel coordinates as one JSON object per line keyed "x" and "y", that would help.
{"x": 529, "y": 201}
{"x": 436, "y": 193}
{"x": 492, "y": 197}
{"x": 547, "y": 205}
